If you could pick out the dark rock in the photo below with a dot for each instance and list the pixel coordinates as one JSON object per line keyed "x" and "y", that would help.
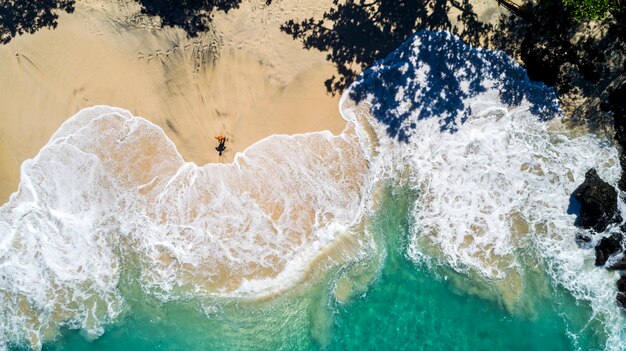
{"x": 608, "y": 246}
{"x": 621, "y": 284}
{"x": 588, "y": 57}
{"x": 598, "y": 203}
{"x": 544, "y": 57}
{"x": 618, "y": 265}
{"x": 617, "y": 105}
{"x": 618, "y": 26}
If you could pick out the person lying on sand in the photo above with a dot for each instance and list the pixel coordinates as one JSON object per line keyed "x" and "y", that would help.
{"x": 221, "y": 147}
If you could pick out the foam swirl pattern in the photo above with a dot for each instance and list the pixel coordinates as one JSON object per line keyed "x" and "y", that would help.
{"x": 110, "y": 189}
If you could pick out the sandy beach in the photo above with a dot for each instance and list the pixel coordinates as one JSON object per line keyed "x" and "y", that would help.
{"x": 107, "y": 53}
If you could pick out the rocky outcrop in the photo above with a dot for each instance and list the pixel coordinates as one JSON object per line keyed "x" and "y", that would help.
{"x": 607, "y": 247}
{"x": 617, "y": 105}
{"x": 598, "y": 203}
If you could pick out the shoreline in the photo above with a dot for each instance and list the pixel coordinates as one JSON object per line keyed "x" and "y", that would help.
{"x": 108, "y": 55}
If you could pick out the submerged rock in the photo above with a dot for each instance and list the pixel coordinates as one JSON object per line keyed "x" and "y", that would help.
{"x": 598, "y": 203}
{"x": 583, "y": 240}
{"x": 608, "y": 246}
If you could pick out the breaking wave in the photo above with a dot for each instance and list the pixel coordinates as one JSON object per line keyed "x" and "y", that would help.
{"x": 109, "y": 186}
{"x": 484, "y": 147}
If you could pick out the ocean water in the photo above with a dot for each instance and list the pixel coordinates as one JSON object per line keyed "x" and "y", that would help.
{"x": 437, "y": 220}
{"x": 402, "y": 307}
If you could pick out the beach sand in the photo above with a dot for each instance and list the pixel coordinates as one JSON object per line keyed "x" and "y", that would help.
{"x": 244, "y": 79}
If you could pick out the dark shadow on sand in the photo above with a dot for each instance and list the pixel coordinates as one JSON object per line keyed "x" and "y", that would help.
{"x": 433, "y": 74}
{"x": 193, "y": 16}
{"x": 357, "y": 33}
{"x": 28, "y": 16}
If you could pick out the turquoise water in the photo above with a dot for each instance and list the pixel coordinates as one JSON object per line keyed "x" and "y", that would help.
{"x": 393, "y": 304}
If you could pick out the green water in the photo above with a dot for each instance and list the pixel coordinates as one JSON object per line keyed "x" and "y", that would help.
{"x": 394, "y": 305}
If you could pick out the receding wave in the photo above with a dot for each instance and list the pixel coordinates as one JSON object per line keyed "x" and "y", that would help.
{"x": 485, "y": 149}
{"x": 110, "y": 186}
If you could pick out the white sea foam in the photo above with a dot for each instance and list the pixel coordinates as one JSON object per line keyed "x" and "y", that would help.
{"x": 494, "y": 175}
{"x": 110, "y": 189}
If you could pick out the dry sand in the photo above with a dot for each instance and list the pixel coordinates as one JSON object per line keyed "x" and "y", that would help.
{"x": 244, "y": 79}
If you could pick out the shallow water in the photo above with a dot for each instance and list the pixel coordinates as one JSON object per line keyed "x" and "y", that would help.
{"x": 404, "y": 308}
